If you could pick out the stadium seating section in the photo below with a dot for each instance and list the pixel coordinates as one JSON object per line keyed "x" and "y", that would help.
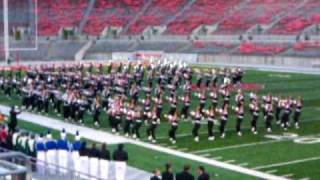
{"x": 180, "y": 16}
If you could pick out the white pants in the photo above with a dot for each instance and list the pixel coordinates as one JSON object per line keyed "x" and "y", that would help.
{"x": 84, "y": 167}
{"x": 104, "y": 169}
{"x": 41, "y": 160}
{"x": 120, "y": 170}
{"x": 94, "y": 168}
{"x": 63, "y": 161}
{"x": 76, "y": 161}
{"x": 52, "y": 161}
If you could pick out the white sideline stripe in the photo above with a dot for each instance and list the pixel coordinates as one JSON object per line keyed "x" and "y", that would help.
{"x": 272, "y": 171}
{"x": 287, "y": 175}
{"x": 100, "y": 136}
{"x": 288, "y": 163}
{"x": 230, "y": 161}
{"x": 242, "y": 164}
{"x": 237, "y": 146}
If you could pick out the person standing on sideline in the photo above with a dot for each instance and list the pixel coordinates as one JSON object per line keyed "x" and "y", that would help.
{"x": 185, "y": 174}
{"x": 120, "y": 156}
{"x": 156, "y": 175}
{"x": 167, "y": 174}
{"x": 104, "y": 161}
{"x": 13, "y": 118}
{"x": 202, "y": 174}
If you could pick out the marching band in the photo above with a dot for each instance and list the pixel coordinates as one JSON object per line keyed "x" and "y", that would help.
{"x": 131, "y": 95}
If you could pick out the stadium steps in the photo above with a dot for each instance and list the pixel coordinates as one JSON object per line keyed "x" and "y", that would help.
{"x": 136, "y": 18}
{"x": 282, "y": 15}
{"x": 183, "y": 9}
{"x": 86, "y": 16}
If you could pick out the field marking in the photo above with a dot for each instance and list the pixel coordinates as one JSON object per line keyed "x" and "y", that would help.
{"x": 287, "y": 175}
{"x": 236, "y": 146}
{"x": 183, "y": 149}
{"x": 271, "y": 171}
{"x": 229, "y": 130}
{"x": 217, "y": 158}
{"x": 287, "y": 163}
{"x": 100, "y": 136}
{"x": 230, "y": 161}
{"x": 205, "y": 155}
{"x": 280, "y": 75}
{"x": 243, "y": 164}
{"x": 306, "y": 178}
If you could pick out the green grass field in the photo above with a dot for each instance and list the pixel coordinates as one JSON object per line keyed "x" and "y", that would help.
{"x": 295, "y": 158}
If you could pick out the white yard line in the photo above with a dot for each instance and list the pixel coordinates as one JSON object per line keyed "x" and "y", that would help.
{"x": 287, "y": 163}
{"x": 243, "y": 164}
{"x": 230, "y": 161}
{"x": 100, "y": 136}
{"x": 205, "y": 155}
{"x": 271, "y": 171}
{"x": 236, "y": 146}
{"x": 217, "y": 158}
{"x": 287, "y": 175}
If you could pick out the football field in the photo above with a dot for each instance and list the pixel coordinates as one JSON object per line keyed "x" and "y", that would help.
{"x": 294, "y": 154}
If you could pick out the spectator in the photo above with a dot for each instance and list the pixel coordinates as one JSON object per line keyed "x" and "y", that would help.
{"x": 185, "y": 174}
{"x": 202, "y": 174}
{"x": 104, "y": 153}
{"x": 3, "y": 136}
{"x": 121, "y": 157}
{"x": 13, "y": 118}
{"x": 167, "y": 174}
{"x": 156, "y": 175}
{"x": 104, "y": 161}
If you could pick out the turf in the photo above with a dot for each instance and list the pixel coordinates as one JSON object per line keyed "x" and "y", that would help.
{"x": 285, "y": 84}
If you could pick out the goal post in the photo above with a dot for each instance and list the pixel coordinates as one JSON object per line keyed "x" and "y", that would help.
{"x": 20, "y": 26}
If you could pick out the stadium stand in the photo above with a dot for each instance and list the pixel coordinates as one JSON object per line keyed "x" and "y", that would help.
{"x": 53, "y": 13}
{"x": 297, "y": 21}
{"x": 262, "y": 48}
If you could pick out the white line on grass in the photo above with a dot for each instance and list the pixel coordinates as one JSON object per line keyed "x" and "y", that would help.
{"x": 271, "y": 171}
{"x": 100, "y": 136}
{"x": 205, "y": 155}
{"x": 287, "y": 163}
{"x": 183, "y": 149}
{"x": 306, "y": 178}
{"x": 236, "y": 146}
{"x": 287, "y": 175}
{"x": 229, "y": 161}
{"x": 217, "y": 158}
{"x": 243, "y": 164}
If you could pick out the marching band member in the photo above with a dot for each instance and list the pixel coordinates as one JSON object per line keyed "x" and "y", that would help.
{"x": 186, "y": 105}
{"x": 240, "y": 115}
{"x": 173, "y": 104}
{"x": 214, "y": 97}
{"x": 138, "y": 116}
{"x": 76, "y": 146}
{"x": 51, "y": 147}
{"x": 298, "y": 108}
{"x": 94, "y": 162}
{"x": 268, "y": 116}
{"x": 211, "y": 120}
{"x": 97, "y": 111}
{"x": 254, "y": 108}
{"x": 197, "y": 124}
{"x": 278, "y": 103}
{"x": 224, "y": 114}
{"x": 239, "y": 98}
{"x": 41, "y": 154}
{"x": 286, "y": 114}
{"x": 128, "y": 121}
{"x": 153, "y": 124}
{"x": 63, "y": 152}
{"x": 104, "y": 158}
{"x": 174, "y": 126}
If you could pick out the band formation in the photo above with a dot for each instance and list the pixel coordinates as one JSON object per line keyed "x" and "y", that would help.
{"x": 132, "y": 95}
